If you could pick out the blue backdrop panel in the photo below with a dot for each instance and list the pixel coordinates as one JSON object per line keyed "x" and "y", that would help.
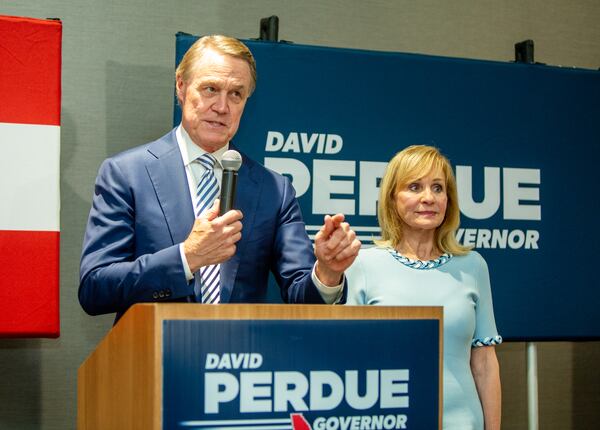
{"x": 223, "y": 375}
{"x": 524, "y": 140}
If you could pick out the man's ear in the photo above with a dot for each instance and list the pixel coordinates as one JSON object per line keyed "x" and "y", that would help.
{"x": 179, "y": 87}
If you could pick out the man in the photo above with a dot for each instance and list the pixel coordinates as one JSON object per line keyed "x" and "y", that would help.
{"x": 153, "y": 235}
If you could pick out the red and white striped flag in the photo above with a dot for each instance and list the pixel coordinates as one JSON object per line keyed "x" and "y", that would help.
{"x": 30, "y": 89}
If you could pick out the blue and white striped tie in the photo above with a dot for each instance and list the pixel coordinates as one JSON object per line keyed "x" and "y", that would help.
{"x": 208, "y": 283}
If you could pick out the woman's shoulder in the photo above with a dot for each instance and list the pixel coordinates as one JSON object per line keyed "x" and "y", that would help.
{"x": 374, "y": 251}
{"x": 372, "y": 254}
{"x": 471, "y": 258}
{"x": 368, "y": 262}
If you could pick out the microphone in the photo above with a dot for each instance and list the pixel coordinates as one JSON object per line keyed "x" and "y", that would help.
{"x": 231, "y": 161}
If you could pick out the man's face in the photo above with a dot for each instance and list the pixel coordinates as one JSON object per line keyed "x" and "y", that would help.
{"x": 213, "y": 99}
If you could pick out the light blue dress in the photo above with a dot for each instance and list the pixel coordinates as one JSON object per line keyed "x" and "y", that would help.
{"x": 460, "y": 284}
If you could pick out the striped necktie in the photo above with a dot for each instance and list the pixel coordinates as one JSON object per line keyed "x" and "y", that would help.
{"x": 207, "y": 284}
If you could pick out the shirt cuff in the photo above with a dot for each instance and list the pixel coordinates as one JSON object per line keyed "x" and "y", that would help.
{"x": 330, "y": 295}
{"x": 186, "y": 267}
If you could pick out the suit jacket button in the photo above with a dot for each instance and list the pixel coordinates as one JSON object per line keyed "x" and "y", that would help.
{"x": 161, "y": 294}
{"x": 167, "y": 293}
{"x": 155, "y": 295}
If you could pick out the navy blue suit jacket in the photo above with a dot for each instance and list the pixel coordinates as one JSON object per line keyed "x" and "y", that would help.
{"x": 142, "y": 211}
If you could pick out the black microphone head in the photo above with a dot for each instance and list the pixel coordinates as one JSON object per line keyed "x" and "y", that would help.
{"x": 232, "y": 160}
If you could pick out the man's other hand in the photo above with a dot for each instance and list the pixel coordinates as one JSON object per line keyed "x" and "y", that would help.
{"x": 336, "y": 248}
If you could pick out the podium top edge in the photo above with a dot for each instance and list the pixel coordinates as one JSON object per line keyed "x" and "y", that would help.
{"x": 175, "y": 311}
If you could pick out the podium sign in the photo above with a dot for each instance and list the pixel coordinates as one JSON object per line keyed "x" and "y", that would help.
{"x": 300, "y": 374}
{"x": 265, "y": 367}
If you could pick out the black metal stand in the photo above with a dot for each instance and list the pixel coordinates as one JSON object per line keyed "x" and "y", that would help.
{"x": 524, "y": 52}
{"x": 269, "y": 29}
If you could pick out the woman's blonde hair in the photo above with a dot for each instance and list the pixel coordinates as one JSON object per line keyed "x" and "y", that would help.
{"x": 408, "y": 165}
{"x": 222, "y": 44}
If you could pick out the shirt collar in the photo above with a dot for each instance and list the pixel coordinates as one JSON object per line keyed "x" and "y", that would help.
{"x": 190, "y": 151}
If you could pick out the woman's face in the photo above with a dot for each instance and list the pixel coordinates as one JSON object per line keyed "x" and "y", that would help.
{"x": 421, "y": 204}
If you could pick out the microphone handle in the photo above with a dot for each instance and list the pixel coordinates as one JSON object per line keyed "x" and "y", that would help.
{"x": 228, "y": 187}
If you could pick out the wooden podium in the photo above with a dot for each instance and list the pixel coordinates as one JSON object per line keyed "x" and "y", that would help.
{"x": 120, "y": 385}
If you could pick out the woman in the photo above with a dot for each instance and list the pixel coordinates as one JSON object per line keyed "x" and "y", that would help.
{"x": 418, "y": 262}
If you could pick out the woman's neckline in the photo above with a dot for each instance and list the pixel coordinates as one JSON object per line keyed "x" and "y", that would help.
{"x": 420, "y": 264}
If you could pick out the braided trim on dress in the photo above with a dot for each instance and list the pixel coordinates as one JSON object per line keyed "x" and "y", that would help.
{"x": 419, "y": 264}
{"x": 486, "y": 341}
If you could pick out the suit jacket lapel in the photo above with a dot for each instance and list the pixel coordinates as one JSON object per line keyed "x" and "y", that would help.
{"x": 248, "y": 189}
{"x": 168, "y": 177}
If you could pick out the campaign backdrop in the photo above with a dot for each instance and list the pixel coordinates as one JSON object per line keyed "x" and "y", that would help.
{"x": 30, "y": 70}
{"x": 300, "y": 374}
{"x": 524, "y": 141}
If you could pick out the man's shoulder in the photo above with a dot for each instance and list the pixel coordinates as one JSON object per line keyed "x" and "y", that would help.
{"x": 257, "y": 169}
{"x": 154, "y": 149}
